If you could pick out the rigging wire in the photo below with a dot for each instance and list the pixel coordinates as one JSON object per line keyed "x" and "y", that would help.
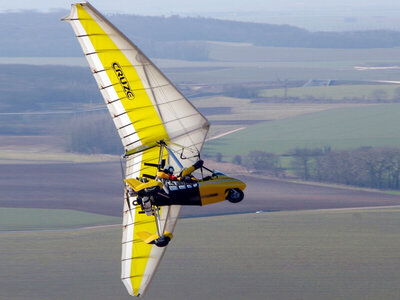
{"x": 126, "y": 191}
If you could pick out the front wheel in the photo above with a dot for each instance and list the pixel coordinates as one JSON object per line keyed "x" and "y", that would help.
{"x": 235, "y": 195}
{"x": 162, "y": 241}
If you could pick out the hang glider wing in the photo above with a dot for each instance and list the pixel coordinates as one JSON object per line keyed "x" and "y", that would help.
{"x": 146, "y": 108}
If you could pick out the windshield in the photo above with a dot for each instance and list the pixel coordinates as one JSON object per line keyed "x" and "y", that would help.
{"x": 216, "y": 172}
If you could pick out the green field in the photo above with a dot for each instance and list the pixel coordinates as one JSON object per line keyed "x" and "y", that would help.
{"x": 342, "y": 128}
{"x": 323, "y": 254}
{"x": 364, "y": 92}
{"x": 20, "y": 219}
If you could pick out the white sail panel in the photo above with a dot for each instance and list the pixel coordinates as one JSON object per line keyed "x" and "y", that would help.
{"x": 179, "y": 116}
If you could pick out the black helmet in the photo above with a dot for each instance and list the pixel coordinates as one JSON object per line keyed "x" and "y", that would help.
{"x": 169, "y": 169}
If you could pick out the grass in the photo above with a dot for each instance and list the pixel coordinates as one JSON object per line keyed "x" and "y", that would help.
{"x": 244, "y": 109}
{"x": 340, "y": 128}
{"x": 248, "y": 112}
{"x": 366, "y": 92}
{"x": 326, "y": 254}
{"x": 16, "y": 149}
{"x": 17, "y": 219}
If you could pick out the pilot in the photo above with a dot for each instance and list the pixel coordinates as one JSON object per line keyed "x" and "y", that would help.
{"x": 185, "y": 175}
{"x": 167, "y": 173}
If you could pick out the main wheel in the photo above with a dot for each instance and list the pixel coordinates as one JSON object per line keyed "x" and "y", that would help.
{"x": 235, "y": 195}
{"x": 162, "y": 241}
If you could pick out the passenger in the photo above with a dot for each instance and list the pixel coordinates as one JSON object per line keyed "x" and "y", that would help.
{"x": 131, "y": 192}
{"x": 186, "y": 174}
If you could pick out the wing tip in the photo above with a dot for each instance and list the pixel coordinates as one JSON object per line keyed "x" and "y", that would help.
{"x": 69, "y": 17}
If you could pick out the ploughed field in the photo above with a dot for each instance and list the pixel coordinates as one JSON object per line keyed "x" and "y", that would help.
{"x": 98, "y": 188}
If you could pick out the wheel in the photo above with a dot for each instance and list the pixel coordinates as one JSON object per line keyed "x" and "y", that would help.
{"x": 162, "y": 241}
{"x": 235, "y": 195}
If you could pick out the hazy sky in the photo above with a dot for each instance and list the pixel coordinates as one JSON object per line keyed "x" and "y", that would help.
{"x": 168, "y": 6}
{"x": 310, "y": 14}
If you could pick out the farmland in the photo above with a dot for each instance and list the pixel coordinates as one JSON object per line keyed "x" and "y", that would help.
{"x": 286, "y": 240}
{"x": 97, "y": 188}
{"x": 346, "y": 254}
{"x": 340, "y": 128}
{"x": 245, "y": 63}
{"x": 295, "y": 250}
{"x": 22, "y": 219}
{"x": 348, "y": 92}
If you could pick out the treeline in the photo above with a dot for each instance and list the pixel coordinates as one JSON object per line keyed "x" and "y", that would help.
{"x": 365, "y": 167}
{"x": 43, "y": 34}
{"x": 43, "y": 88}
{"x": 260, "y": 161}
{"x": 92, "y": 134}
{"x": 175, "y": 28}
{"x": 34, "y": 34}
{"x": 376, "y": 96}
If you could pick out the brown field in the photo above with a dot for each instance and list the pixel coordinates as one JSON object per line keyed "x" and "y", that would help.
{"x": 97, "y": 188}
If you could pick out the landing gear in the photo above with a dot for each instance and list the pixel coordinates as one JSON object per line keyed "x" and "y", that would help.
{"x": 147, "y": 206}
{"x": 162, "y": 238}
{"x": 146, "y": 199}
{"x": 235, "y": 195}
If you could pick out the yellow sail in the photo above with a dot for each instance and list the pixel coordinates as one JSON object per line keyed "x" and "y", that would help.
{"x": 146, "y": 108}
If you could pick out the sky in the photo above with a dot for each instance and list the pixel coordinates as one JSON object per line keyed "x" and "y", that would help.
{"x": 309, "y": 14}
{"x": 173, "y": 6}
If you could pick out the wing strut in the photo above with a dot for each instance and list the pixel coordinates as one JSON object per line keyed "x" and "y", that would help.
{"x": 176, "y": 160}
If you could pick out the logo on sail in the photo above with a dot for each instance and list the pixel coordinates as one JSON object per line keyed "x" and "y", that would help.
{"x": 123, "y": 81}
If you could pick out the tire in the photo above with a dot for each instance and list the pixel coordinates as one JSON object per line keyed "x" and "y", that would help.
{"x": 235, "y": 195}
{"x": 162, "y": 241}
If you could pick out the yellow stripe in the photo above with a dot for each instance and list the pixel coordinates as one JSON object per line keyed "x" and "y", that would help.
{"x": 142, "y": 224}
{"x": 142, "y": 114}
{"x": 139, "y": 107}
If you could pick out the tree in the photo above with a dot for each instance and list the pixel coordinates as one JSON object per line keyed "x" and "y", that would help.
{"x": 237, "y": 159}
{"x": 218, "y": 157}
{"x": 396, "y": 95}
{"x": 379, "y": 94}
{"x": 263, "y": 161}
{"x": 92, "y": 134}
{"x": 303, "y": 161}
{"x": 367, "y": 166}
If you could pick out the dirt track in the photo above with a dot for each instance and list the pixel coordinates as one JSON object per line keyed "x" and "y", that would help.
{"x": 97, "y": 187}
